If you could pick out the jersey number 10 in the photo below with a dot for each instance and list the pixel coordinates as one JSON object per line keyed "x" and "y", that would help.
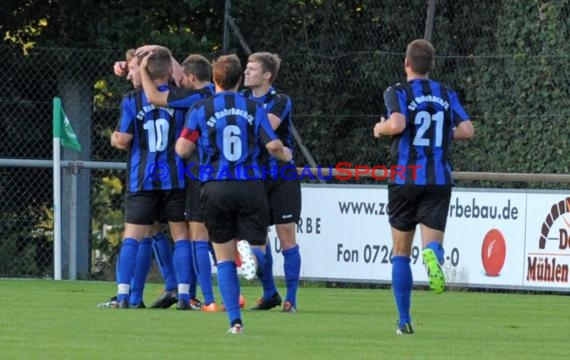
{"x": 157, "y": 132}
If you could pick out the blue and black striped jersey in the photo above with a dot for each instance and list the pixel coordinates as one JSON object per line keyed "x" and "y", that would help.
{"x": 431, "y": 111}
{"x": 232, "y": 129}
{"x": 185, "y": 98}
{"x": 152, "y": 163}
{"x": 280, "y": 105}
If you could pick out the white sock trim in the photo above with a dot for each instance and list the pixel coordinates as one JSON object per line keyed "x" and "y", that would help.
{"x": 184, "y": 288}
{"x": 123, "y": 289}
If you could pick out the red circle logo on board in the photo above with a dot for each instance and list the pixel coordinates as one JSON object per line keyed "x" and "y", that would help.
{"x": 493, "y": 252}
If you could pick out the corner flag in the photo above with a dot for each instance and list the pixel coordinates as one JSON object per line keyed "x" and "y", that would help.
{"x": 62, "y": 127}
{"x": 63, "y": 134}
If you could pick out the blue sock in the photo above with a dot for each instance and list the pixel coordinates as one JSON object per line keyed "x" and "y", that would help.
{"x": 142, "y": 268}
{"x": 182, "y": 264}
{"x": 402, "y": 286}
{"x": 163, "y": 255}
{"x": 438, "y": 249}
{"x": 292, "y": 269}
{"x": 126, "y": 267}
{"x": 193, "y": 275}
{"x": 204, "y": 269}
{"x": 229, "y": 289}
{"x": 266, "y": 278}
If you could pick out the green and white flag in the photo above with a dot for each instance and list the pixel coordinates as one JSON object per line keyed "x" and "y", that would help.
{"x": 62, "y": 127}
{"x": 63, "y": 134}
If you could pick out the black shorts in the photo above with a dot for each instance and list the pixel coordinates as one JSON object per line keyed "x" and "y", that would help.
{"x": 409, "y": 205}
{"x": 146, "y": 207}
{"x": 194, "y": 204}
{"x": 236, "y": 210}
{"x": 284, "y": 200}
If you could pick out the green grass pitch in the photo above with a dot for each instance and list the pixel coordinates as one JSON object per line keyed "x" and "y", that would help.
{"x": 43, "y": 319}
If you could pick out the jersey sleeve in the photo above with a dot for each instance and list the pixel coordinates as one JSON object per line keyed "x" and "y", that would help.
{"x": 183, "y": 98}
{"x": 282, "y": 106}
{"x": 191, "y": 129}
{"x": 392, "y": 101}
{"x": 193, "y": 117}
{"x": 128, "y": 116}
{"x": 459, "y": 114}
{"x": 266, "y": 133}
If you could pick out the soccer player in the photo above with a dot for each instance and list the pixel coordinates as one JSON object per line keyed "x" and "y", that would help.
{"x": 230, "y": 131}
{"x": 196, "y": 86}
{"x": 284, "y": 195}
{"x": 148, "y": 134}
{"x": 161, "y": 245}
{"x": 423, "y": 119}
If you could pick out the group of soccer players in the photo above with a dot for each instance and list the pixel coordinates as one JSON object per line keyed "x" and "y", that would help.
{"x": 165, "y": 127}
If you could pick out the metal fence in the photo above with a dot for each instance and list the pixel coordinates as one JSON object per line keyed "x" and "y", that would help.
{"x": 337, "y": 98}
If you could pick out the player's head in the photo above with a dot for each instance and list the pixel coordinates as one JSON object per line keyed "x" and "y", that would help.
{"x": 159, "y": 65}
{"x": 134, "y": 57}
{"x": 227, "y": 72}
{"x": 129, "y": 54}
{"x": 420, "y": 57}
{"x": 197, "y": 70}
{"x": 261, "y": 69}
{"x": 133, "y": 68}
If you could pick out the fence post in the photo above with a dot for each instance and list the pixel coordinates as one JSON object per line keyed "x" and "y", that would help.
{"x": 76, "y": 188}
{"x": 429, "y": 20}
{"x": 226, "y": 40}
{"x": 74, "y": 172}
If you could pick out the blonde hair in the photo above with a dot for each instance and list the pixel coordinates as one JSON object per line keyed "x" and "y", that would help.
{"x": 269, "y": 63}
{"x": 131, "y": 53}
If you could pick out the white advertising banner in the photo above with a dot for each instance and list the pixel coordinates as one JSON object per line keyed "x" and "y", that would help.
{"x": 547, "y": 252}
{"x": 487, "y": 229}
{"x": 491, "y": 240}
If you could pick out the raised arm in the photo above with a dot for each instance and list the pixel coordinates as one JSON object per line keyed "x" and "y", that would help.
{"x": 177, "y": 70}
{"x": 120, "y": 68}
{"x": 155, "y": 97}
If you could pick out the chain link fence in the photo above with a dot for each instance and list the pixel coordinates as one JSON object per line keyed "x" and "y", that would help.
{"x": 510, "y": 65}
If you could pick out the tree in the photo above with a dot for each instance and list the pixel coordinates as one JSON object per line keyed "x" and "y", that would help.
{"x": 188, "y": 25}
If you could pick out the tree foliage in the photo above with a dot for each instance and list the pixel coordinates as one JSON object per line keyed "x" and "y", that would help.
{"x": 522, "y": 98}
{"x": 121, "y": 24}
{"x": 507, "y": 60}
